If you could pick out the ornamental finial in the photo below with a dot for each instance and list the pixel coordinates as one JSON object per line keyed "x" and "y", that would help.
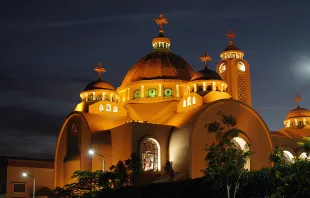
{"x": 205, "y": 58}
{"x": 160, "y": 21}
{"x": 230, "y": 35}
{"x": 297, "y": 99}
{"x": 99, "y": 69}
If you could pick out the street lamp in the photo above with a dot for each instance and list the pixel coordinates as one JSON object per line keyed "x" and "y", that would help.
{"x": 92, "y": 153}
{"x": 34, "y": 183}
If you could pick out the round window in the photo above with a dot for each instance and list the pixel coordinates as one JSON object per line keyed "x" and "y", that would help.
{"x": 168, "y": 92}
{"x": 152, "y": 93}
{"x": 136, "y": 94}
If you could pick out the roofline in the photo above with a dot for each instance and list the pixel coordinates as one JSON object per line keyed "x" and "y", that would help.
{"x": 25, "y": 158}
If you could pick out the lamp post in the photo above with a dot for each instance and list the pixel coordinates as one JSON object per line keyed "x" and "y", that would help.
{"x": 92, "y": 152}
{"x": 34, "y": 183}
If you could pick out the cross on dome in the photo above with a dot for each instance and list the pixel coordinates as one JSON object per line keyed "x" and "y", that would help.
{"x": 205, "y": 58}
{"x": 160, "y": 21}
{"x": 99, "y": 69}
{"x": 230, "y": 35}
{"x": 297, "y": 99}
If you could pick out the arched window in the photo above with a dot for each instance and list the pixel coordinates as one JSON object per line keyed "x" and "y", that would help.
{"x": 184, "y": 103}
{"x": 99, "y": 97}
{"x": 150, "y": 155}
{"x": 108, "y": 107}
{"x": 243, "y": 146}
{"x": 288, "y": 156}
{"x": 115, "y": 109}
{"x": 101, "y": 108}
{"x": 241, "y": 66}
{"x": 222, "y": 68}
{"x": 189, "y": 101}
{"x": 194, "y": 100}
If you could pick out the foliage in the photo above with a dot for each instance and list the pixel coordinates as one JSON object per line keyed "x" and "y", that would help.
{"x": 88, "y": 183}
{"x": 305, "y": 145}
{"x": 225, "y": 160}
{"x": 277, "y": 158}
{"x": 168, "y": 168}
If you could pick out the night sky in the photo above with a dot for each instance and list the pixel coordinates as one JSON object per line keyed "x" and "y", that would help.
{"x": 49, "y": 50}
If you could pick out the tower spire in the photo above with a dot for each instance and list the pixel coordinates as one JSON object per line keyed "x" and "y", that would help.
{"x": 161, "y": 42}
{"x": 205, "y": 58}
{"x": 231, "y": 35}
{"x": 99, "y": 69}
{"x": 160, "y": 21}
{"x": 297, "y": 99}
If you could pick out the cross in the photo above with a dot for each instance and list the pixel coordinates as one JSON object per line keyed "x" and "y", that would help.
{"x": 205, "y": 58}
{"x": 297, "y": 99}
{"x": 99, "y": 69}
{"x": 230, "y": 35}
{"x": 160, "y": 21}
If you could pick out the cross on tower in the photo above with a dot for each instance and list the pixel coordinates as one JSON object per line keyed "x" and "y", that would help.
{"x": 205, "y": 58}
{"x": 160, "y": 21}
{"x": 99, "y": 69}
{"x": 230, "y": 35}
{"x": 297, "y": 99}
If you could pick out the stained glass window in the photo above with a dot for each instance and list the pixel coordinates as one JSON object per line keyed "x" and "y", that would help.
{"x": 149, "y": 155}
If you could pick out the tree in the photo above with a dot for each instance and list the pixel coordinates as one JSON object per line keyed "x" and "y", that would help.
{"x": 88, "y": 183}
{"x": 133, "y": 168}
{"x": 225, "y": 161}
{"x": 305, "y": 145}
{"x": 168, "y": 168}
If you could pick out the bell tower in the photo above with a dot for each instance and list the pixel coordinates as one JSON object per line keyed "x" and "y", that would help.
{"x": 235, "y": 71}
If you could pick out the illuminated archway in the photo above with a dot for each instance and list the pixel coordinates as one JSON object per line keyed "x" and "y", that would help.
{"x": 150, "y": 154}
{"x": 241, "y": 143}
{"x": 304, "y": 156}
{"x": 288, "y": 156}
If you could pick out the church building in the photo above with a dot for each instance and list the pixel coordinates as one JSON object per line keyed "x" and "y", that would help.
{"x": 160, "y": 110}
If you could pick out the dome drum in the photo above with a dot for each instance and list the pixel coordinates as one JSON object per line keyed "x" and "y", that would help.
{"x": 158, "y": 90}
{"x": 207, "y": 86}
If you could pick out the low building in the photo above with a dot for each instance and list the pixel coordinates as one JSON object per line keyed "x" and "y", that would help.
{"x": 14, "y": 185}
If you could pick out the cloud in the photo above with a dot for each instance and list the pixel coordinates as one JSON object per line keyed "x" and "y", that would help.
{"x": 52, "y": 86}
{"x": 28, "y": 146}
{"x": 28, "y": 133}
{"x": 29, "y": 122}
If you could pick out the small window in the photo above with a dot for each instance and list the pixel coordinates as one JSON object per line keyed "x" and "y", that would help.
{"x": 108, "y": 107}
{"x": 184, "y": 103}
{"x": 189, "y": 101}
{"x": 209, "y": 88}
{"x": 19, "y": 187}
{"x": 106, "y": 98}
{"x": 194, "y": 100}
{"x": 168, "y": 93}
{"x": 136, "y": 94}
{"x": 101, "y": 108}
{"x": 241, "y": 66}
{"x": 115, "y": 109}
{"x": 99, "y": 97}
{"x": 151, "y": 93}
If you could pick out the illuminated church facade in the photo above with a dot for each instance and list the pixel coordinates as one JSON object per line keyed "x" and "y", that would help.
{"x": 160, "y": 111}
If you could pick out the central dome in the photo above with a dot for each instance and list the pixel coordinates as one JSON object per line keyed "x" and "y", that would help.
{"x": 159, "y": 64}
